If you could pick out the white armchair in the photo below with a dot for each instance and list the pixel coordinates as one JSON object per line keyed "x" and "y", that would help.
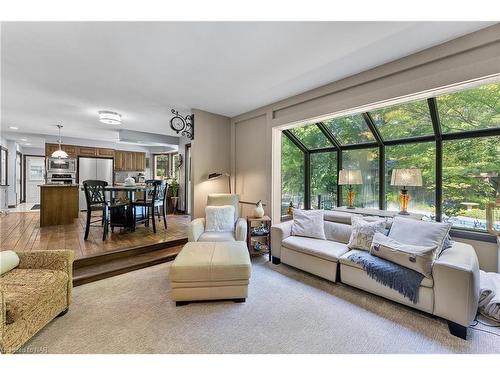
{"x": 196, "y": 229}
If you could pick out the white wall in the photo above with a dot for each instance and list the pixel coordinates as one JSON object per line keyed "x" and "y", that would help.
{"x": 210, "y": 152}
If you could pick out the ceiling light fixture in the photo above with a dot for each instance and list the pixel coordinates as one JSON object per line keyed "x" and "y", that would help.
{"x": 110, "y": 118}
{"x": 13, "y": 127}
{"x": 60, "y": 154}
{"x": 24, "y": 140}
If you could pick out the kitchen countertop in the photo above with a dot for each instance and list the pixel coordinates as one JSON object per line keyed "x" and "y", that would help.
{"x": 59, "y": 185}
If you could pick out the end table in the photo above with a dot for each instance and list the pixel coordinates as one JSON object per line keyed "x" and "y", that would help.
{"x": 259, "y": 231}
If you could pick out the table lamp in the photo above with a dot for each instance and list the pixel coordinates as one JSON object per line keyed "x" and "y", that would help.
{"x": 405, "y": 177}
{"x": 350, "y": 177}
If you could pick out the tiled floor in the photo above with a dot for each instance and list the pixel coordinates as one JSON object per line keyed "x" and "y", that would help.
{"x": 24, "y": 207}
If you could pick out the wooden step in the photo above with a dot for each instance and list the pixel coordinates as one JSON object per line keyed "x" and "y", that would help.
{"x": 129, "y": 261}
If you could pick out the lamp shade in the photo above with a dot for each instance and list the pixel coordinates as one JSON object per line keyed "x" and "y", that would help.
{"x": 406, "y": 177}
{"x": 216, "y": 175}
{"x": 350, "y": 177}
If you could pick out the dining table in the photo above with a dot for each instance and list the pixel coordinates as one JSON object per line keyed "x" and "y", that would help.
{"x": 130, "y": 192}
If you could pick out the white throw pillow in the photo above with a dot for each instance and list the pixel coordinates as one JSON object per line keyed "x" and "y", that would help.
{"x": 308, "y": 223}
{"x": 363, "y": 232}
{"x": 417, "y": 258}
{"x": 421, "y": 233}
{"x": 219, "y": 218}
{"x": 8, "y": 261}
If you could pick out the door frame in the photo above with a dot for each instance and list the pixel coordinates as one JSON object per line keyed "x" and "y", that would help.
{"x": 21, "y": 189}
{"x": 186, "y": 161}
{"x": 24, "y": 171}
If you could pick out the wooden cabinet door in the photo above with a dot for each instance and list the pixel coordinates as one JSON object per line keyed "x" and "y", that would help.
{"x": 50, "y": 148}
{"x": 72, "y": 151}
{"x": 129, "y": 161}
{"x": 105, "y": 152}
{"x": 118, "y": 161}
{"x": 87, "y": 151}
{"x": 141, "y": 161}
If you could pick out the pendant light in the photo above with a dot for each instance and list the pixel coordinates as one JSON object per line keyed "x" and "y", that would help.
{"x": 60, "y": 154}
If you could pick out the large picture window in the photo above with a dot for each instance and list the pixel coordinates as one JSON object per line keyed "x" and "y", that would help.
{"x": 366, "y": 160}
{"x": 292, "y": 175}
{"x": 453, "y": 139}
{"x": 471, "y": 169}
{"x": 413, "y": 155}
{"x": 324, "y": 180}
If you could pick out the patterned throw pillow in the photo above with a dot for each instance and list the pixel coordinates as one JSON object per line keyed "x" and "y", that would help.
{"x": 363, "y": 232}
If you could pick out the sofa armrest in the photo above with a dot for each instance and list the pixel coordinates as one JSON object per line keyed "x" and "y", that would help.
{"x": 278, "y": 233}
{"x": 240, "y": 232}
{"x": 196, "y": 229}
{"x": 456, "y": 284}
{"x": 57, "y": 260}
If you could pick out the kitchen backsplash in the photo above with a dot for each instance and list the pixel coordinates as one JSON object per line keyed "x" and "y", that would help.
{"x": 121, "y": 176}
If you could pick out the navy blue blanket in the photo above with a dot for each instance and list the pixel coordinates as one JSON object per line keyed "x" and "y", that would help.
{"x": 401, "y": 279}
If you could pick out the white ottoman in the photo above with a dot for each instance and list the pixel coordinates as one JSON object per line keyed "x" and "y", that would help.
{"x": 211, "y": 271}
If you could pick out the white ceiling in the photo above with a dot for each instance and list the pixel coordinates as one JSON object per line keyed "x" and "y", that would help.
{"x": 65, "y": 72}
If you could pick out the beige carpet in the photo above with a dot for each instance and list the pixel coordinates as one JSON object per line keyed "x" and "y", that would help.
{"x": 288, "y": 311}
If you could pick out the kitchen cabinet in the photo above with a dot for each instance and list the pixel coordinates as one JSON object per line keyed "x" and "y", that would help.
{"x": 105, "y": 152}
{"x": 127, "y": 161}
{"x": 86, "y": 151}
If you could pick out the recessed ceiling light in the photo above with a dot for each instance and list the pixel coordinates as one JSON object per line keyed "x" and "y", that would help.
{"x": 110, "y": 118}
{"x": 27, "y": 144}
{"x": 13, "y": 127}
{"x": 24, "y": 140}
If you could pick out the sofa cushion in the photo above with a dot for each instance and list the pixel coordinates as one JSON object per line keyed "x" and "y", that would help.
{"x": 344, "y": 259}
{"x": 417, "y": 258}
{"x": 421, "y": 233}
{"x": 216, "y": 236}
{"x": 24, "y": 289}
{"x": 363, "y": 232}
{"x": 338, "y": 232}
{"x": 308, "y": 223}
{"x": 328, "y": 250}
{"x": 219, "y": 218}
{"x": 8, "y": 261}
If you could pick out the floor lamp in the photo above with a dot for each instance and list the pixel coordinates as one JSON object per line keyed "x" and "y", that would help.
{"x": 216, "y": 175}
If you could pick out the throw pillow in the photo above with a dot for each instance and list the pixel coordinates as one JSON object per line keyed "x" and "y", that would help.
{"x": 363, "y": 232}
{"x": 421, "y": 233}
{"x": 8, "y": 261}
{"x": 308, "y": 223}
{"x": 219, "y": 218}
{"x": 417, "y": 258}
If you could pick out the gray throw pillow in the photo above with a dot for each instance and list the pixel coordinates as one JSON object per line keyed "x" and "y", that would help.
{"x": 421, "y": 233}
{"x": 308, "y": 223}
{"x": 363, "y": 232}
{"x": 417, "y": 258}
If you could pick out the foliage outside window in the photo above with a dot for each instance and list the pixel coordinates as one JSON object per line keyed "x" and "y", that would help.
{"x": 311, "y": 136}
{"x": 350, "y": 129}
{"x": 471, "y": 180}
{"x": 403, "y": 120}
{"x": 292, "y": 175}
{"x": 365, "y": 160}
{"x": 324, "y": 180}
{"x": 413, "y": 155}
{"x": 161, "y": 167}
{"x": 472, "y": 109}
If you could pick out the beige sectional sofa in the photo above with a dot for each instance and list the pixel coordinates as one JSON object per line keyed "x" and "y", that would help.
{"x": 451, "y": 293}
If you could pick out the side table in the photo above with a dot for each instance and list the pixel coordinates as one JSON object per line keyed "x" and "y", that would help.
{"x": 259, "y": 234}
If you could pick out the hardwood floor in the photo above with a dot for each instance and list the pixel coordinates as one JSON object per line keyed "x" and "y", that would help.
{"x": 21, "y": 231}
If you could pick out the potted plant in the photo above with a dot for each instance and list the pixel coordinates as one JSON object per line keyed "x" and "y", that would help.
{"x": 174, "y": 188}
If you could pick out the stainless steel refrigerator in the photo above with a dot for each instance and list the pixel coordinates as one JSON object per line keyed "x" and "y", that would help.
{"x": 93, "y": 169}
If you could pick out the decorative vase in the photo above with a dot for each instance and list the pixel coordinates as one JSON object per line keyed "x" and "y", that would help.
{"x": 174, "y": 204}
{"x": 258, "y": 211}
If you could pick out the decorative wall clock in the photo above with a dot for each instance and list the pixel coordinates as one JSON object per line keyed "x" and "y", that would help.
{"x": 183, "y": 125}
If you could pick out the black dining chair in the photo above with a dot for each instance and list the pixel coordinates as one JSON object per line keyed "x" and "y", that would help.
{"x": 154, "y": 203}
{"x": 96, "y": 201}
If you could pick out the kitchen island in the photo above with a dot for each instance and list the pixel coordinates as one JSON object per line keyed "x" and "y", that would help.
{"x": 58, "y": 204}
